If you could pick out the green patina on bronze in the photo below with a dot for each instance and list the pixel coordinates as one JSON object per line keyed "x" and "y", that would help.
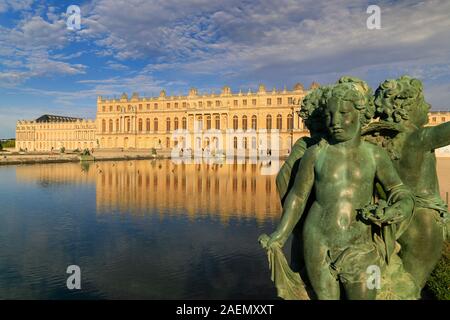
{"x": 356, "y": 195}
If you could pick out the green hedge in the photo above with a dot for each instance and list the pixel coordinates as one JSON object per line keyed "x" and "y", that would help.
{"x": 8, "y": 144}
{"x": 439, "y": 282}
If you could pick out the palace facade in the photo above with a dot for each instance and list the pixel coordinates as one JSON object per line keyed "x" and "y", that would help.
{"x": 214, "y": 121}
{"x": 151, "y": 122}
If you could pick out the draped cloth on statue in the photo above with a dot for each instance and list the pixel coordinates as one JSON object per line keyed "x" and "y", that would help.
{"x": 441, "y": 211}
{"x": 289, "y": 284}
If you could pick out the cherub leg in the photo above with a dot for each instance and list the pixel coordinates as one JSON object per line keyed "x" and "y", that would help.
{"x": 359, "y": 291}
{"x": 325, "y": 285}
{"x": 297, "y": 259}
{"x": 421, "y": 245}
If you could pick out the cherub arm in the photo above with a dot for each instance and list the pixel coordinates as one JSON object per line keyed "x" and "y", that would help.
{"x": 285, "y": 177}
{"x": 402, "y": 203}
{"x": 436, "y": 136}
{"x": 296, "y": 199}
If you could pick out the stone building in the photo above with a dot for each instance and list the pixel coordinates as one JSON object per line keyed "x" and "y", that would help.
{"x": 50, "y": 132}
{"x": 438, "y": 117}
{"x": 240, "y": 121}
{"x": 150, "y": 122}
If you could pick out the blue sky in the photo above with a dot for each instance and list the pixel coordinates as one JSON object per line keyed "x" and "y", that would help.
{"x": 146, "y": 46}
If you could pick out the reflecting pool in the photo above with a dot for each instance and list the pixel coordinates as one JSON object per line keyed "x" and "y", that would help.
{"x": 139, "y": 229}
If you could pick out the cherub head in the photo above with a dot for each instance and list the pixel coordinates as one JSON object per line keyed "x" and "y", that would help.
{"x": 402, "y": 100}
{"x": 349, "y": 106}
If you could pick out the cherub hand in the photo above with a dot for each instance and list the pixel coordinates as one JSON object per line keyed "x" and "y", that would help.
{"x": 275, "y": 239}
{"x": 396, "y": 213}
{"x": 393, "y": 214}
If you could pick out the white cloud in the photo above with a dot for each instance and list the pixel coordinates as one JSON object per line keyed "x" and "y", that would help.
{"x": 15, "y": 5}
{"x": 36, "y": 33}
{"x": 246, "y": 39}
{"x": 27, "y": 48}
{"x": 116, "y": 66}
{"x": 12, "y": 78}
{"x": 144, "y": 84}
{"x": 259, "y": 39}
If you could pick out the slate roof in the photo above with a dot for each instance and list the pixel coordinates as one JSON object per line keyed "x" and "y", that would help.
{"x": 55, "y": 118}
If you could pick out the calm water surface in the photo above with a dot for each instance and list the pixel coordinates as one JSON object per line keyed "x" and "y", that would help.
{"x": 139, "y": 230}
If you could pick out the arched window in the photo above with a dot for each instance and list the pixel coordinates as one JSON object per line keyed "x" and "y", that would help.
{"x": 168, "y": 142}
{"x": 140, "y": 125}
{"x": 208, "y": 122}
{"x": 147, "y": 124}
{"x": 217, "y": 118}
{"x": 235, "y": 142}
{"x": 175, "y": 123}
{"x": 103, "y": 125}
{"x": 155, "y": 124}
{"x": 235, "y": 122}
{"x": 128, "y": 124}
{"x": 290, "y": 122}
{"x": 253, "y": 142}
{"x": 254, "y": 122}
{"x": 117, "y": 125}
{"x": 200, "y": 122}
{"x": 244, "y": 122}
{"x": 279, "y": 122}
{"x": 269, "y": 122}
{"x": 110, "y": 125}
{"x": 184, "y": 123}
{"x": 167, "y": 124}
{"x": 244, "y": 143}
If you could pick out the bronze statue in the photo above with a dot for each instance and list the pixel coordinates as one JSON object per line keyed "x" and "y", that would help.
{"x": 401, "y": 107}
{"x": 356, "y": 208}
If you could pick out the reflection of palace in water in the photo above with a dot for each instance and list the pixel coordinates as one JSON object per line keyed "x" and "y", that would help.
{"x": 195, "y": 189}
{"x": 56, "y": 174}
{"x": 165, "y": 188}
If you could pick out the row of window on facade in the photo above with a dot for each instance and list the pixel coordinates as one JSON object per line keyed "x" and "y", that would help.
{"x": 209, "y": 104}
{"x": 244, "y": 123}
{"x": 77, "y": 135}
{"x": 434, "y": 119}
{"x": 54, "y": 126}
{"x": 205, "y": 143}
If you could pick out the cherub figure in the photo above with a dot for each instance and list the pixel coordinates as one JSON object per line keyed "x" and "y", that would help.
{"x": 340, "y": 171}
{"x": 403, "y": 114}
{"x": 312, "y": 115}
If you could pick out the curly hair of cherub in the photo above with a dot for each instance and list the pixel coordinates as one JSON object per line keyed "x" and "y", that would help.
{"x": 359, "y": 93}
{"x": 394, "y": 98}
{"x": 311, "y": 109}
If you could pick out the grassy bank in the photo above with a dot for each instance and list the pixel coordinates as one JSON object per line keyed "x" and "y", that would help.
{"x": 439, "y": 283}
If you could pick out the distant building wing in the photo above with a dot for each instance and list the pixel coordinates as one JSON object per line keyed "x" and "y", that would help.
{"x": 55, "y": 118}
